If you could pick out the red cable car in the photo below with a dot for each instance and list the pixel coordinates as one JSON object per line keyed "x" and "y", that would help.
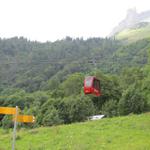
{"x": 92, "y": 86}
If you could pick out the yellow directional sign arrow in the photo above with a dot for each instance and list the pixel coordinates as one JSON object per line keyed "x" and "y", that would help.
{"x": 8, "y": 110}
{"x": 25, "y": 118}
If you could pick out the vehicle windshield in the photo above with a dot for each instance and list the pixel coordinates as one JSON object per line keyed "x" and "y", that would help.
{"x": 88, "y": 82}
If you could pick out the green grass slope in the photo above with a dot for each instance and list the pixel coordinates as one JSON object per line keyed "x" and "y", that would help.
{"x": 120, "y": 133}
{"x": 136, "y": 33}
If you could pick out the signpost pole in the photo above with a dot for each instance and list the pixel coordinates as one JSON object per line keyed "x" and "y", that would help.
{"x": 14, "y": 130}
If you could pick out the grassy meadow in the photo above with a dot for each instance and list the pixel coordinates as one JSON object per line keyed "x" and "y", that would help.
{"x": 120, "y": 133}
{"x": 133, "y": 35}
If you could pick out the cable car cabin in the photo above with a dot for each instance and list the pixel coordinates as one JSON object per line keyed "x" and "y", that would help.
{"x": 92, "y": 86}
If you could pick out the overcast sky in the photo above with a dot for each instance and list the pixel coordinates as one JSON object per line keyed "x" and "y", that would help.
{"x": 49, "y": 20}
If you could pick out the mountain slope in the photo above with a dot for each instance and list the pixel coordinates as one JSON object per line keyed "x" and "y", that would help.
{"x": 135, "y": 33}
{"x": 132, "y": 18}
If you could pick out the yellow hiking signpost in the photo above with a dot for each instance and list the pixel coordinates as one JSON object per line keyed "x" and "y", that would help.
{"x": 16, "y": 118}
{"x": 25, "y": 118}
{"x": 8, "y": 110}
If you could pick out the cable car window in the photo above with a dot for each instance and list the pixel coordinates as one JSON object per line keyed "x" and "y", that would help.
{"x": 96, "y": 84}
{"x": 88, "y": 82}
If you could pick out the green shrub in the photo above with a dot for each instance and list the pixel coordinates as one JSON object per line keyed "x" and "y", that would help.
{"x": 132, "y": 101}
{"x": 110, "y": 108}
{"x": 51, "y": 117}
{"x": 7, "y": 122}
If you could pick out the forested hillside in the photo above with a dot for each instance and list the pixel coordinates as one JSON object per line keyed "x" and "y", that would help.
{"x": 31, "y": 65}
{"x": 46, "y": 79}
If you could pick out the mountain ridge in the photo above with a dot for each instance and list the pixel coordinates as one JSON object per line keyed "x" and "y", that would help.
{"x": 130, "y": 20}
